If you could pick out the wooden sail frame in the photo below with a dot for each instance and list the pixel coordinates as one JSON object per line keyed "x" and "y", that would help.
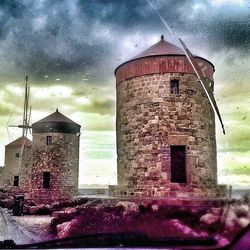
{"x": 25, "y": 126}
{"x": 202, "y": 80}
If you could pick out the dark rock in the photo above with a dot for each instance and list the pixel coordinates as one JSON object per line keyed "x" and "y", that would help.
{"x": 38, "y": 210}
{"x": 129, "y": 208}
{"x": 60, "y": 217}
{"x": 7, "y": 203}
{"x": 216, "y": 210}
{"x": 242, "y": 210}
{"x": 57, "y": 214}
{"x": 3, "y": 195}
{"x": 229, "y": 220}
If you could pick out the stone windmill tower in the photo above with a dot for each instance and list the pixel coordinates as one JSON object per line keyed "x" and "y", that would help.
{"x": 55, "y": 151}
{"x": 17, "y": 165}
{"x": 165, "y": 126}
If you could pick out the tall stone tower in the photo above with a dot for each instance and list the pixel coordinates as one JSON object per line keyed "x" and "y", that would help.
{"x": 55, "y": 168}
{"x": 165, "y": 126}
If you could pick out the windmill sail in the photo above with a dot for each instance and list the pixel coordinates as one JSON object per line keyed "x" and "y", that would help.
{"x": 204, "y": 82}
{"x": 194, "y": 65}
{"x": 25, "y": 126}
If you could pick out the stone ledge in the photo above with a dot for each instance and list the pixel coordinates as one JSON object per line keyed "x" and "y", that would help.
{"x": 185, "y": 193}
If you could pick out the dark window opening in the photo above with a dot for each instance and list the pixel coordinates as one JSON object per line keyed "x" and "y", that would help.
{"x": 17, "y": 155}
{"x": 46, "y": 179}
{"x": 178, "y": 164}
{"x": 16, "y": 181}
{"x": 174, "y": 87}
{"x": 49, "y": 140}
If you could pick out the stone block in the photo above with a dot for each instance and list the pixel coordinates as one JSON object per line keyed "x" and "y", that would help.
{"x": 178, "y": 139}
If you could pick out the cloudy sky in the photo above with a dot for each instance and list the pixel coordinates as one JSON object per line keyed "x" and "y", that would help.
{"x": 70, "y": 48}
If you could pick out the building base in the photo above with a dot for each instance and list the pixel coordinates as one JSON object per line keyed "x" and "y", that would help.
{"x": 174, "y": 191}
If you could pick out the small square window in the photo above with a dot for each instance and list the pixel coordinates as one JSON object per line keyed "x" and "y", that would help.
{"x": 174, "y": 87}
{"x": 17, "y": 155}
{"x": 16, "y": 181}
{"x": 49, "y": 140}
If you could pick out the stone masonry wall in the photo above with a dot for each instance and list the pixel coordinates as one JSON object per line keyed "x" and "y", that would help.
{"x": 149, "y": 120}
{"x": 61, "y": 159}
{"x": 17, "y": 166}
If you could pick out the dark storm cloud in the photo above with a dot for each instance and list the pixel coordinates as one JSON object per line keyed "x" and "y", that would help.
{"x": 9, "y": 9}
{"x": 53, "y": 37}
{"x": 217, "y": 27}
{"x": 117, "y": 13}
{"x": 131, "y": 16}
{"x": 13, "y": 8}
{"x": 227, "y": 26}
{"x": 49, "y": 38}
{"x": 233, "y": 33}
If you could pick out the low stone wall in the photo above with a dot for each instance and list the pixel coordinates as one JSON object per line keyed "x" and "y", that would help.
{"x": 176, "y": 191}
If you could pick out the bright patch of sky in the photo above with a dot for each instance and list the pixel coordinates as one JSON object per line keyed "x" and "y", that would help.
{"x": 44, "y": 93}
{"x": 98, "y": 151}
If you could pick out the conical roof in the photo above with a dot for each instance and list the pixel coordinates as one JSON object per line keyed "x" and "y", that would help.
{"x": 19, "y": 142}
{"x": 56, "y": 123}
{"x": 55, "y": 117}
{"x": 161, "y": 48}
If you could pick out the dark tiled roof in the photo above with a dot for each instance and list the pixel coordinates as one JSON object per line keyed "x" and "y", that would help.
{"x": 54, "y": 118}
{"x": 19, "y": 142}
{"x": 161, "y": 48}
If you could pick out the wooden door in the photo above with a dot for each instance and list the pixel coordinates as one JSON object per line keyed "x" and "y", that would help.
{"x": 178, "y": 164}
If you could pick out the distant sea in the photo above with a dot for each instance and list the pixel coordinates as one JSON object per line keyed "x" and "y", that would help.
{"x": 239, "y": 193}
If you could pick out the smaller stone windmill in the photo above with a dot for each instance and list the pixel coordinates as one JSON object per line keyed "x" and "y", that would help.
{"x": 55, "y": 159}
{"x": 45, "y": 169}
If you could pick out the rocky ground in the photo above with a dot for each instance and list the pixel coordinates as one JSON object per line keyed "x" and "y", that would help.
{"x": 38, "y": 225}
{"x": 84, "y": 216}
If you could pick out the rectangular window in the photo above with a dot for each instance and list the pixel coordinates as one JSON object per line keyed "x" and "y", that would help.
{"x": 46, "y": 179}
{"x": 174, "y": 87}
{"x": 17, "y": 155}
{"x": 49, "y": 140}
{"x": 16, "y": 181}
{"x": 178, "y": 164}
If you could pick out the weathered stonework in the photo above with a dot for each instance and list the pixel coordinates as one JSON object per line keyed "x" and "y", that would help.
{"x": 47, "y": 167}
{"x": 58, "y": 156}
{"x": 18, "y": 156}
{"x": 151, "y": 119}
{"x": 61, "y": 159}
